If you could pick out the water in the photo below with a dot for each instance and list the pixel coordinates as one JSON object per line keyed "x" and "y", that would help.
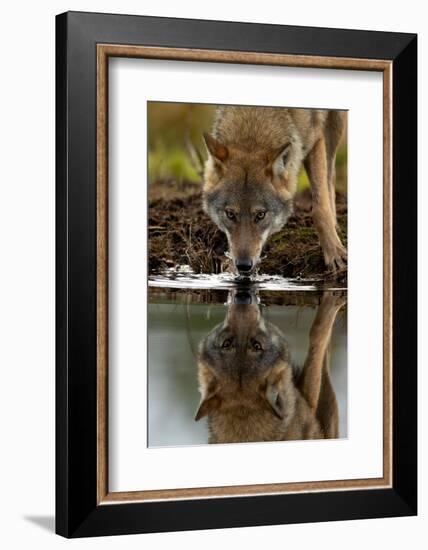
{"x": 207, "y": 318}
{"x": 184, "y": 277}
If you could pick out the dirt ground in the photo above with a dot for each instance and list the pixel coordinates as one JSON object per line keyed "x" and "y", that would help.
{"x": 181, "y": 233}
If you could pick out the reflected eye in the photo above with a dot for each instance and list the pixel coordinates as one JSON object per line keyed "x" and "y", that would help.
{"x": 226, "y": 343}
{"x": 260, "y": 215}
{"x": 256, "y": 345}
{"x": 230, "y": 215}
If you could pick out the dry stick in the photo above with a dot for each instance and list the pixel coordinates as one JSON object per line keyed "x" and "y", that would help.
{"x": 188, "y": 326}
{"x": 195, "y": 156}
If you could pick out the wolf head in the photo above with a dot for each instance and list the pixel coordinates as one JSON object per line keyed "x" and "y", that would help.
{"x": 249, "y": 195}
{"x": 244, "y": 369}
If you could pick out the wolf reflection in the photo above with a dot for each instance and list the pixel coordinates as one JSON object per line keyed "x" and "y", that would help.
{"x": 250, "y": 388}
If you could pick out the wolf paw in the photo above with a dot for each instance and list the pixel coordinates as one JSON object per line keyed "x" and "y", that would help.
{"x": 336, "y": 258}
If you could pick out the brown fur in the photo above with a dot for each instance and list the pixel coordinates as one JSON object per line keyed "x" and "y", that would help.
{"x": 254, "y": 394}
{"x": 255, "y": 155}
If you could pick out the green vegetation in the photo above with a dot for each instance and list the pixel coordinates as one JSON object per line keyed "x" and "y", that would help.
{"x": 170, "y": 164}
{"x": 171, "y": 127}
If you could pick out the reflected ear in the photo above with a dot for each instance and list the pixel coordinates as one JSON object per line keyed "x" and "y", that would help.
{"x": 207, "y": 406}
{"x": 275, "y": 400}
{"x": 280, "y": 159}
{"x": 209, "y": 388}
{"x": 215, "y": 148}
{"x": 273, "y": 394}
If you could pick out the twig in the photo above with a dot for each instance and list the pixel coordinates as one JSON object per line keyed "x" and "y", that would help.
{"x": 195, "y": 156}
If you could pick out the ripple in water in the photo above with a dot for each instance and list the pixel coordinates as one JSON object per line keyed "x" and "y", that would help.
{"x": 184, "y": 277}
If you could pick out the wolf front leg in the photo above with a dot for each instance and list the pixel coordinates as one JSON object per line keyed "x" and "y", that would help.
{"x": 323, "y": 214}
{"x": 315, "y": 373}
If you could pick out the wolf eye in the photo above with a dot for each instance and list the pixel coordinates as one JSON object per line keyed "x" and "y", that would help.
{"x": 230, "y": 214}
{"x": 227, "y": 343}
{"x": 256, "y": 345}
{"x": 260, "y": 215}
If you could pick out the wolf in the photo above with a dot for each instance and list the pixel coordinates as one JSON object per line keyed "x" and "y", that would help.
{"x": 250, "y": 177}
{"x": 250, "y": 388}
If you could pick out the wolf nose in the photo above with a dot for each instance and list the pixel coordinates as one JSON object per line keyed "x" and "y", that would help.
{"x": 244, "y": 265}
{"x": 243, "y": 297}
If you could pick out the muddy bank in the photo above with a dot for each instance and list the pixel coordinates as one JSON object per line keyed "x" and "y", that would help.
{"x": 181, "y": 233}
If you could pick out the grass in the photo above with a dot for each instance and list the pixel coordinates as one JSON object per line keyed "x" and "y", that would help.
{"x": 170, "y": 164}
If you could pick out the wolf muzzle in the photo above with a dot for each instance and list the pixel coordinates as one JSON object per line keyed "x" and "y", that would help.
{"x": 244, "y": 265}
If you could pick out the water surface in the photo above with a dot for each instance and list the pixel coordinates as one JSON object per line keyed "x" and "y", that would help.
{"x": 183, "y": 311}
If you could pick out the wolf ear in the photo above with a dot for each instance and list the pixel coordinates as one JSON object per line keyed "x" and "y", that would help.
{"x": 272, "y": 393}
{"x": 275, "y": 400}
{"x": 280, "y": 158}
{"x": 215, "y": 148}
{"x": 207, "y": 406}
{"x": 209, "y": 388}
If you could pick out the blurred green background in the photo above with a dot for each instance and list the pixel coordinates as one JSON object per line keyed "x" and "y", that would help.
{"x": 171, "y": 125}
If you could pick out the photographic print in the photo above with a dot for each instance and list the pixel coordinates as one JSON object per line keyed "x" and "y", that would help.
{"x": 217, "y": 308}
{"x": 247, "y": 263}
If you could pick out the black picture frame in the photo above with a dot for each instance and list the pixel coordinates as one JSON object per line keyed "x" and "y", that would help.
{"x": 77, "y": 512}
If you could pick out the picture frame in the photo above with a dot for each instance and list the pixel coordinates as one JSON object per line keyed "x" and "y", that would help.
{"x": 84, "y": 44}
